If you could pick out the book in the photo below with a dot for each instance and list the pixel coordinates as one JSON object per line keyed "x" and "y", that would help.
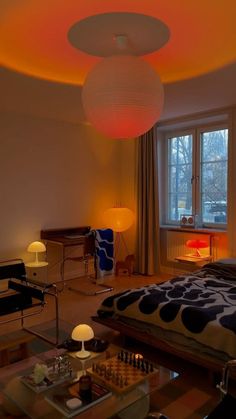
{"x": 59, "y": 397}
{"x": 192, "y": 259}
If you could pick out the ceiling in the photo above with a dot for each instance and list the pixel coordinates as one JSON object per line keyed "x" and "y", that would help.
{"x": 34, "y": 36}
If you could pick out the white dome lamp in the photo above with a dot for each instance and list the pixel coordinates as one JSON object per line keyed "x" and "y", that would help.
{"x": 82, "y": 333}
{"x": 122, "y": 94}
{"x": 36, "y": 247}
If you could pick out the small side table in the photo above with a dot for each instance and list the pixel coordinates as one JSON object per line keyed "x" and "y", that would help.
{"x": 37, "y": 271}
{"x": 188, "y": 264}
{"x": 196, "y": 261}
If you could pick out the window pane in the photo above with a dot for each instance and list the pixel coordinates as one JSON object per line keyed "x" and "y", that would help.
{"x": 179, "y": 176}
{"x": 215, "y": 145}
{"x": 214, "y": 150}
{"x": 179, "y": 204}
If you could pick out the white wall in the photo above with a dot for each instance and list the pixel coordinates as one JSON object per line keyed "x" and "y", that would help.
{"x": 53, "y": 174}
{"x": 56, "y": 171}
{"x": 204, "y": 93}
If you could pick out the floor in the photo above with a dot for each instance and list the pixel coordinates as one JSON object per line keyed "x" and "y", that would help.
{"x": 75, "y": 307}
{"x": 191, "y": 398}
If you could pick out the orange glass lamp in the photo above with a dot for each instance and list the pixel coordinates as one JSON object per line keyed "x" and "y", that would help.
{"x": 196, "y": 245}
{"x": 119, "y": 219}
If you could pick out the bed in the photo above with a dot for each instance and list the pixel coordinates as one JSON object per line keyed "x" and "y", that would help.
{"x": 192, "y": 316}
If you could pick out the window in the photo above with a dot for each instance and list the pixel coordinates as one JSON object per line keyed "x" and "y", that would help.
{"x": 197, "y": 175}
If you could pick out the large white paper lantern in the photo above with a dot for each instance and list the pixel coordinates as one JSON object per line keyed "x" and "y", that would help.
{"x": 122, "y": 96}
{"x": 118, "y": 219}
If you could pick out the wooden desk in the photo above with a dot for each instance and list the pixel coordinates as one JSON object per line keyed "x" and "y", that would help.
{"x": 66, "y": 238}
{"x": 71, "y": 236}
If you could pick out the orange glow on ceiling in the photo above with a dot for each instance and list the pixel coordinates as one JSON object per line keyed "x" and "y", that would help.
{"x": 33, "y": 36}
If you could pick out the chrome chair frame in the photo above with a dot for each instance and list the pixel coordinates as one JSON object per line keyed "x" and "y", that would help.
{"x": 89, "y": 252}
{"x": 14, "y": 271}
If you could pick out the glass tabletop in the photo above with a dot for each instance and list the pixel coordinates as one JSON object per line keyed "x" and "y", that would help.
{"x": 37, "y": 405}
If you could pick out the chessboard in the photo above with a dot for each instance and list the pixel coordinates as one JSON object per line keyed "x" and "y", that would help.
{"x": 122, "y": 372}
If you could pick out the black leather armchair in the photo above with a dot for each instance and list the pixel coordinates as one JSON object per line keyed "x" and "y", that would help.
{"x": 24, "y": 297}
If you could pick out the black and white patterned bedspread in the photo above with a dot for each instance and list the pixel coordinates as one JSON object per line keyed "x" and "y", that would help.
{"x": 201, "y": 307}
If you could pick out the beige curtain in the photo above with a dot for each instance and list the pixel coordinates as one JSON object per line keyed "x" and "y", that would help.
{"x": 147, "y": 252}
{"x": 231, "y": 185}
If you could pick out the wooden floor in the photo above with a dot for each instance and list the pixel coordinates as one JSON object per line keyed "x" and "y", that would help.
{"x": 75, "y": 307}
{"x": 191, "y": 397}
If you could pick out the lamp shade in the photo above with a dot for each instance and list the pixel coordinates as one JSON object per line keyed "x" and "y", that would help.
{"x": 122, "y": 96}
{"x": 197, "y": 244}
{"x": 82, "y": 332}
{"x": 36, "y": 246}
{"x": 118, "y": 218}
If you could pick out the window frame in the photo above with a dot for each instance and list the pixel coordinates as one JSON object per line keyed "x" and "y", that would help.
{"x": 195, "y": 130}
{"x": 214, "y": 127}
{"x": 168, "y": 135}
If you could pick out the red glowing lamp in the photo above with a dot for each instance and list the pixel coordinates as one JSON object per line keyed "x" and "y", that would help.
{"x": 197, "y": 244}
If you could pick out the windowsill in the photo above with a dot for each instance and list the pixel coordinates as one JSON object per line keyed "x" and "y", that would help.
{"x": 192, "y": 229}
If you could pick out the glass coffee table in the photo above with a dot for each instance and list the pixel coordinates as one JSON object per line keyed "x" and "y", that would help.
{"x": 135, "y": 402}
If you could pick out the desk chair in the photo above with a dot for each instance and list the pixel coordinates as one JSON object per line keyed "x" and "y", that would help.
{"x": 24, "y": 297}
{"x": 89, "y": 253}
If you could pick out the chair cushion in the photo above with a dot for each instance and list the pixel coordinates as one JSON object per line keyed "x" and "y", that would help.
{"x": 12, "y": 269}
{"x": 26, "y": 290}
{"x": 14, "y": 302}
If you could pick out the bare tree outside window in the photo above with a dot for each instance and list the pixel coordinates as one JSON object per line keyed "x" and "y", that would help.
{"x": 214, "y": 162}
{"x": 204, "y": 174}
{"x": 180, "y": 175}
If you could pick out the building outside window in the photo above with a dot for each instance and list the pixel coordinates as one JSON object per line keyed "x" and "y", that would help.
{"x": 197, "y": 169}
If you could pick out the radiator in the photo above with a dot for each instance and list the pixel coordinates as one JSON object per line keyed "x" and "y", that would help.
{"x": 176, "y": 243}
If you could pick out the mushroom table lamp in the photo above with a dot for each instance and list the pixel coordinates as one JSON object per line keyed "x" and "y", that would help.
{"x": 82, "y": 333}
{"x": 36, "y": 247}
{"x": 197, "y": 244}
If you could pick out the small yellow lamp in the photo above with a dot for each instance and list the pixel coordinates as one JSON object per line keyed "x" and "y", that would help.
{"x": 36, "y": 247}
{"x": 82, "y": 333}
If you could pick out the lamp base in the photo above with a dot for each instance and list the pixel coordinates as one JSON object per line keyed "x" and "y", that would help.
{"x": 82, "y": 354}
{"x": 36, "y": 264}
{"x": 197, "y": 253}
